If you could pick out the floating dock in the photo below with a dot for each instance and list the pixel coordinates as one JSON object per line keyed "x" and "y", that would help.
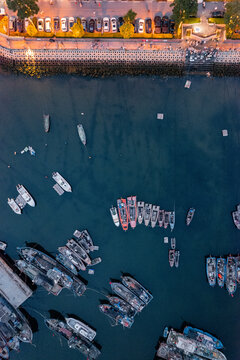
{"x": 58, "y": 189}
{"x": 12, "y": 287}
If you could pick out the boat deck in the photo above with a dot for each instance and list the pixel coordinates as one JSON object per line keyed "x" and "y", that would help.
{"x": 58, "y": 189}
{"x": 20, "y": 201}
{"x": 11, "y": 286}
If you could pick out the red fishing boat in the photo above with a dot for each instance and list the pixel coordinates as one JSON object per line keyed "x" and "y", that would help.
{"x": 123, "y": 213}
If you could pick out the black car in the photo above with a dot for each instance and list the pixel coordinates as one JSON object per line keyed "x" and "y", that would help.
{"x": 120, "y": 22}
{"x": 20, "y": 25}
{"x": 148, "y": 26}
{"x": 91, "y": 25}
{"x": 157, "y": 23}
{"x": 218, "y": 14}
{"x": 171, "y": 26}
{"x": 56, "y": 23}
{"x": 165, "y": 25}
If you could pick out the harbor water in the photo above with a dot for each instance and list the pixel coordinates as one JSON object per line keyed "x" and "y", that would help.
{"x": 181, "y": 161}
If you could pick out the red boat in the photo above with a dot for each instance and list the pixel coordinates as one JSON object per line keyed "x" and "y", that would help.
{"x": 123, "y": 213}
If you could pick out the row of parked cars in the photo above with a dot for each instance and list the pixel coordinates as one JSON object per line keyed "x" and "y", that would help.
{"x": 159, "y": 25}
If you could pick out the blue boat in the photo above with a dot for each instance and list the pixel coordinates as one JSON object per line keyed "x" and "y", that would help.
{"x": 205, "y": 338}
{"x": 211, "y": 270}
{"x": 165, "y": 332}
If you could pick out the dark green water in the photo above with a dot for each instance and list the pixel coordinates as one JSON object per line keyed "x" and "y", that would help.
{"x": 182, "y": 160}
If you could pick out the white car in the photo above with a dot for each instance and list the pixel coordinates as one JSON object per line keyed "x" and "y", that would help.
{"x": 106, "y": 24}
{"x": 40, "y": 24}
{"x": 48, "y": 27}
{"x": 114, "y": 25}
{"x": 64, "y": 24}
{"x": 71, "y": 22}
{"x": 141, "y": 26}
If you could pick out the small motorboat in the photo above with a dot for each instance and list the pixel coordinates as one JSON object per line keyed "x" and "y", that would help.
{"x": 46, "y": 122}
{"x": 173, "y": 243}
{"x": 190, "y": 215}
{"x": 82, "y": 134}
{"x": 171, "y": 257}
{"x": 114, "y": 214}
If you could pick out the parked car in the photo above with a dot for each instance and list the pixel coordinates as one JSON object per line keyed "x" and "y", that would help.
{"x": 114, "y": 24}
{"x": 148, "y": 26}
{"x": 218, "y": 14}
{"x": 40, "y": 25}
{"x": 48, "y": 27}
{"x": 140, "y": 26}
{"x": 12, "y": 23}
{"x": 171, "y": 26}
{"x": 91, "y": 25}
{"x": 56, "y": 23}
{"x": 71, "y": 22}
{"x": 120, "y": 22}
{"x": 98, "y": 24}
{"x": 26, "y": 23}
{"x": 157, "y": 23}
{"x": 84, "y": 23}
{"x": 106, "y": 27}
{"x": 64, "y": 24}
{"x": 165, "y": 25}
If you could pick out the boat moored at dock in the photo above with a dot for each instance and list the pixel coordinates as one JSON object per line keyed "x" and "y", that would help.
{"x": 173, "y": 243}
{"x": 114, "y": 214}
{"x": 78, "y": 251}
{"x": 132, "y": 210}
{"x": 127, "y": 295}
{"x": 137, "y": 289}
{"x": 205, "y": 338}
{"x": 171, "y": 257}
{"x": 221, "y": 271}
{"x": 161, "y": 217}
{"x": 14, "y": 206}
{"x": 116, "y": 315}
{"x": 231, "y": 276}
{"x": 81, "y": 328}
{"x": 82, "y": 134}
{"x": 71, "y": 256}
{"x": 237, "y": 261}
{"x": 25, "y": 195}
{"x": 66, "y": 263}
{"x": 211, "y": 269}
{"x": 140, "y": 211}
{"x": 177, "y": 257}
{"x": 122, "y": 306}
{"x": 61, "y": 181}
{"x": 147, "y": 214}
{"x": 123, "y": 213}
{"x": 85, "y": 347}
{"x": 154, "y": 216}
{"x": 166, "y": 219}
{"x": 236, "y": 219}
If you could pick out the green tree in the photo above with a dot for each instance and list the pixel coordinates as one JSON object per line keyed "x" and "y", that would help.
{"x": 24, "y": 8}
{"x": 232, "y": 16}
{"x": 77, "y": 29}
{"x": 31, "y": 30}
{"x": 130, "y": 16}
{"x": 183, "y": 9}
{"x": 127, "y": 30}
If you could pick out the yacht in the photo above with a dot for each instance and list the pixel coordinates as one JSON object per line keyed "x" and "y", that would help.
{"x": 82, "y": 134}
{"x": 61, "y": 181}
{"x": 14, "y": 206}
{"x": 25, "y": 195}
{"x": 114, "y": 214}
{"x": 81, "y": 329}
{"x": 140, "y": 211}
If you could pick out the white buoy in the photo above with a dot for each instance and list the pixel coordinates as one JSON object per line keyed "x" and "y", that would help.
{"x": 224, "y": 133}
{"x": 160, "y": 116}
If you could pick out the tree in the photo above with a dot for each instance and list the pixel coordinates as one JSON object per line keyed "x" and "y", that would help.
{"x": 77, "y": 29}
{"x": 232, "y": 16}
{"x": 31, "y": 30}
{"x": 183, "y": 9}
{"x": 130, "y": 16}
{"x": 127, "y": 30}
{"x": 24, "y": 8}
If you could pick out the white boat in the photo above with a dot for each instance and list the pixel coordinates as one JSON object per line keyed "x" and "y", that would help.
{"x": 81, "y": 134}
{"x": 161, "y": 217}
{"x": 147, "y": 213}
{"x": 25, "y": 195}
{"x": 173, "y": 243}
{"x": 140, "y": 211}
{"x": 154, "y": 217}
{"x": 172, "y": 220}
{"x": 46, "y": 122}
{"x": 61, "y": 181}
{"x": 187, "y": 84}
{"x": 14, "y": 206}
{"x": 3, "y": 245}
{"x": 81, "y": 329}
{"x": 114, "y": 214}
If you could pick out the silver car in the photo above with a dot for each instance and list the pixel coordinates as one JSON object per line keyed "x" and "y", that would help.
{"x": 106, "y": 27}
{"x": 114, "y": 25}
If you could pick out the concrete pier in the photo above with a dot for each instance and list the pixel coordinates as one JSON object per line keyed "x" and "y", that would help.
{"x": 11, "y": 286}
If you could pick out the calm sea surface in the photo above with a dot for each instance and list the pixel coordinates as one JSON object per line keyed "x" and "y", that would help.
{"x": 182, "y": 161}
